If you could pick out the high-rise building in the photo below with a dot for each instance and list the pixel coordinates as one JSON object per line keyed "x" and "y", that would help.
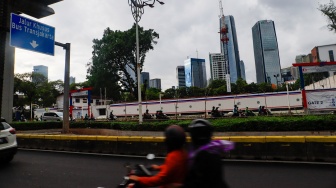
{"x": 41, "y": 69}
{"x": 155, "y": 83}
{"x": 286, "y": 74}
{"x": 145, "y": 78}
{"x": 72, "y": 80}
{"x": 242, "y": 70}
{"x": 266, "y": 52}
{"x": 233, "y": 51}
{"x": 218, "y": 66}
{"x": 195, "y": 72}
{"x": 304, "y": 58}
{"x": 180, "y": 74}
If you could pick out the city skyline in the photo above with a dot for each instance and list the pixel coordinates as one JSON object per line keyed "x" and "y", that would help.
{"x": 181, "y": 34}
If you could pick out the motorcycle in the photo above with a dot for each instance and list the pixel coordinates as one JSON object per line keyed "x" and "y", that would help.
{"x": 138, "y": 170}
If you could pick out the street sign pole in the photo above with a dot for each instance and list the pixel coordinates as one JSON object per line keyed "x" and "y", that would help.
{"x": 66, "y": 47}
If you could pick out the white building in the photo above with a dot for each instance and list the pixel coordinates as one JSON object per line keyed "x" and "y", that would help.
{"x": 98, "y": 107}
{"x": 325, "y": 53}
{"x": 218, "y": 67}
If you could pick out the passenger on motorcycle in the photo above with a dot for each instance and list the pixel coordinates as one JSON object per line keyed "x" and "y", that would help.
{"x": 205, "y": 157}
{"x": 174, "y": 169}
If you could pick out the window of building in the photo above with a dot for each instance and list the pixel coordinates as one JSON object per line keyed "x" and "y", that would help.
{"x": 77, "y": 100}
{"x": 84, "y": 100}
{"x": 102, "y": 112}
{"x": 331, "y": 55}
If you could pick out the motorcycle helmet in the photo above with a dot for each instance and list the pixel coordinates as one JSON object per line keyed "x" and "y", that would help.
{"x": 200, "y": 132}
{"x": 175, "y": 137}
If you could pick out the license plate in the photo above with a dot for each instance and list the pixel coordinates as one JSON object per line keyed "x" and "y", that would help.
{"x": 3, "y": 141}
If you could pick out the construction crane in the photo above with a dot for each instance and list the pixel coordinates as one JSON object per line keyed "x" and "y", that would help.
{"x": 223, "y": 31}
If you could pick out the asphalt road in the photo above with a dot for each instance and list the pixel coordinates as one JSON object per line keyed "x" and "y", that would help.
{"x": 38, "y": 169}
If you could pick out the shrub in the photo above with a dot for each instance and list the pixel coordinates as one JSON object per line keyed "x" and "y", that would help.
{"x": 254, "y": 124}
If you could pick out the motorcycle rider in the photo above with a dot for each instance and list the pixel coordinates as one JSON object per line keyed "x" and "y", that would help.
{"x": 174, "y": 169}
{"x": 205, "y": 157}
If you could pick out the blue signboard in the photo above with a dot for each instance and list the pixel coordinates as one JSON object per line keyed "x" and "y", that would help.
{"x": 31, "y": 35}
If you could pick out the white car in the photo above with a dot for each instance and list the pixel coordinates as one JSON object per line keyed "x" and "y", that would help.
{"x": 52, "y": 116}
{"x": 8, "y": 144}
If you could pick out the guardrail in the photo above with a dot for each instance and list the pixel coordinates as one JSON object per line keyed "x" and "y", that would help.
{"x": 294, "y": 148}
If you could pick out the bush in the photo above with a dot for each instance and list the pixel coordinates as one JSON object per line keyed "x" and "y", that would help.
{"x": 248, "y": 124}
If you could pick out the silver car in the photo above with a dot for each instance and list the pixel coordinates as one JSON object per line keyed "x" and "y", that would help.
{"x": 8, "y": 144}
{"x": 52, "y": 116}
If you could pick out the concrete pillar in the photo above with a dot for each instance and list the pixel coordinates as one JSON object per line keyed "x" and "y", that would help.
{"x": 7, "y": 54}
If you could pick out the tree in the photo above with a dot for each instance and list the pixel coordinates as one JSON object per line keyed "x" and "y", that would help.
{"x": 329, "y": 10}
{"x": 252, "y": 88}
{"x": 264, "y": 87}
{"x": 152, "y": 93}
{"x": 114, "y": 64}
{"x": 216, "y": 87}
{"x": 241, "y": 86}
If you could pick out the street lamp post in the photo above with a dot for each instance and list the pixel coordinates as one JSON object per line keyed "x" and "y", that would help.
{"x": 289, "y": 108}
{"x": 137, "y": 7}
{"x": 276, "y": 77}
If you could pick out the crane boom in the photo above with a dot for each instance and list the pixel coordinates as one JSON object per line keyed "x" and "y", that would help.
{"x": 221, "y": 8}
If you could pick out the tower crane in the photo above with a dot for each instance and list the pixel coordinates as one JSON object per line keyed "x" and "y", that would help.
{"x": 224, "y": 44}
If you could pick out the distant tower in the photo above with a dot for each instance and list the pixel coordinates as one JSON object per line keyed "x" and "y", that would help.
{"x": 180, "y": 75}
{"x": 72, "y": 80}
{"x": 242, "y": 70}
{"x": 41, "y": 69}
{"x": 218, "y": 66}
{"x": 233, "y": 50}
{"x": 155, "y": 83}
{"x": 224, "y": 43}
{"x": 266, "y": 52}
{"x": 195, "y": 72}
{"x": 145, "y": 78}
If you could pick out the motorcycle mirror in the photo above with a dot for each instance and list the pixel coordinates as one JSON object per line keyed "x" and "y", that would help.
{"x": 150, "y": 156}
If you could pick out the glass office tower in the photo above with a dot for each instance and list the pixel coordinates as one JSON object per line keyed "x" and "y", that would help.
{"x": 233, "y": 51}
{"x": 195, "y": 72}
{"x": 41, "y": 69}
{"x": 242, "y": 70}
{"x": 180, "y": 74}
{"x": 266, "y": 52}
{"x": 145, "y": 79}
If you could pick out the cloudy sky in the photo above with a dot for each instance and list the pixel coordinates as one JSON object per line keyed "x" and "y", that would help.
{"x": 184, "y": 26}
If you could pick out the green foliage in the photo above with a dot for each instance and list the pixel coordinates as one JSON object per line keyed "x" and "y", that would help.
{"x": 36, "y": 89}
{"x": 246, "y": 124}
{"x": 329, "y": 10}
{"x": 114, "y": 55}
